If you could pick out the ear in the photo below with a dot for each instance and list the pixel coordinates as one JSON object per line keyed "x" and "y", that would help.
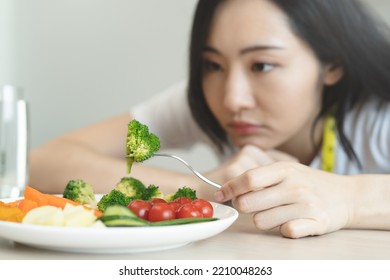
{"x": 332, "y": 74}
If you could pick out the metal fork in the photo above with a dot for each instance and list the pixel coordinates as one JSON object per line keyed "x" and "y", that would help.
{"x": 200, "y": 176}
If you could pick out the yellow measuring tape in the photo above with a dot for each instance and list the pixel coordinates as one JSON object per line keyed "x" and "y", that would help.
{"x": 329, "y": 141}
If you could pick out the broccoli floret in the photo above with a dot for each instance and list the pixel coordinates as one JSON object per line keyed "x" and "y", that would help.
{"x": 182, "y": 192}
{"x": 80, "y": 191}
{"x": 127, "y": 190}
{"x": 140, "y": 143}
{"x": 114, "y": 197}
{"x": 131, "y": 187}
{"x": 152, "y": 191}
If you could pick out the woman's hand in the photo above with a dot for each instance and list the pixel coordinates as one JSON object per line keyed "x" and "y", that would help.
{"x": 245, "y": 159}
{"x": 300, "y": 200}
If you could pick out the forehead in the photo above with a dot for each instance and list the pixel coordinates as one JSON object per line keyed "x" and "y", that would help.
{"x": 247, "y": 22}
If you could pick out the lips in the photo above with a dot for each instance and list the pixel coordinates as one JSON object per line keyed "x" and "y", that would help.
{"x": 243, "y": 128}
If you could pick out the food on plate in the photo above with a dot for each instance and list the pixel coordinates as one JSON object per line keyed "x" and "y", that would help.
{"x": 129, "y": 203}
{"x": 10, "y": 213}
{"x": 43, "y": 199}
{"x": 117, "y": 215}
{"x": 26, "y": 205}
{"x": 205, "y": 207}
{"x": 140, "y": 143}
{"x": 125, "y": 191}
{"x": 69, "y": 216}
{"x": 33, "y": 199}
{"x": 161, "y": 210}
{"x": 181, "y": 192}
{"x": 114, "y": 197}
{"x": 81, "y": 192}
{"x": 120, "y": 216}
{"x": 129, "y": 189}
{"x": 130, "y": 186}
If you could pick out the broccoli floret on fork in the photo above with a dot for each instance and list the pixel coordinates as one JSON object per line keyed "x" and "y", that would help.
{"x": 140, "y": 143}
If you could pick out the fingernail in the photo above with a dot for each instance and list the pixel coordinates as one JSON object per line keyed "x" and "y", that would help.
{"x": 219, "y": 196}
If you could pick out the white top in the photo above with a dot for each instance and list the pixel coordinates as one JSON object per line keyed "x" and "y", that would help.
{"x": 368, "y": 127}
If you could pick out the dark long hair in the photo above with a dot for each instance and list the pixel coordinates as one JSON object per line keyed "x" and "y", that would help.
{"x": 340, "y": 32}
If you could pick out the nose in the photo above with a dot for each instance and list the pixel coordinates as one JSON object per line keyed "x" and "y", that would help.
{"x": 238, "y": 92}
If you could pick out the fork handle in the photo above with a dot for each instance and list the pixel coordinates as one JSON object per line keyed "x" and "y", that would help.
{"x": 200, "y": 176}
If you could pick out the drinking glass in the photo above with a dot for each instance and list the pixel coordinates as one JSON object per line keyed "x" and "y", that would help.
{"x": 13, "y": 142}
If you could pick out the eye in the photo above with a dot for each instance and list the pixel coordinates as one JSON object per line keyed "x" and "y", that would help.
{"x": 210, "y": 66}
{"x": 262, "y": 67}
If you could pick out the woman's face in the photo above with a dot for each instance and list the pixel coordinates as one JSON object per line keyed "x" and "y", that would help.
{"x": 260, "y": 80}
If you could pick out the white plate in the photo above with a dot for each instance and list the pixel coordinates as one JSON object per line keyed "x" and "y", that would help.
{"x": 118, "y": 239}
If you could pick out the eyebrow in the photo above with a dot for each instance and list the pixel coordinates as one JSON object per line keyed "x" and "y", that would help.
{"x": 247, "y": 49}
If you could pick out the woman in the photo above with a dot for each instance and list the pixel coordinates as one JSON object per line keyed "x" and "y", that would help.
{"x": 281, "y": 89}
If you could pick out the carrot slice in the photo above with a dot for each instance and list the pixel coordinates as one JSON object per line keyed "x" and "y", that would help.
{"x": 26, "y": 205}
{"x": 58, "y": 201}
{"x": 35, "y": 195}
{"x": 14, "y": 203}
{"x": 97, "y": 212}
{"x": 10, "y": 213}
{"x": 42, "y": 199}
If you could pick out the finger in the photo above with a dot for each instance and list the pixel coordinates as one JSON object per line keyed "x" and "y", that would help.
{"x": 301, "y": 228}
{"x": 274, "y": 217}
{"x": 252, "y": 180}
{"x": 265, "y": 199}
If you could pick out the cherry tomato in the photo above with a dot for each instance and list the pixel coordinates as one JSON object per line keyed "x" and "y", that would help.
{"x": 183, "y": 200}
{"x": 156, "y": 200}
{"x": 161, "y": 212}
{"x": 188, "y": 211}
{"x": 140, "y": 208}
{"x": 175, "y": 205}
{"x": 204, "y": 207}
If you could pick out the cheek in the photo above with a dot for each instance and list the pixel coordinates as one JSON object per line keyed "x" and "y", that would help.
{"x": 293, "y": 92}
{"x": 293, "y": 104}
{"x": 213, "y": 97}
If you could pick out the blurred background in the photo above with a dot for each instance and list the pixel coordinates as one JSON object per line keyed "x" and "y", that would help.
{"x": 82, "y": 61}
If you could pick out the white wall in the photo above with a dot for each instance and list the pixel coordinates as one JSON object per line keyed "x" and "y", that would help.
{"x": 81, "y": 61}
{"x": 7, "y": 42}
{"x": 382, "y": 7}
{"x": 84, "y": 60}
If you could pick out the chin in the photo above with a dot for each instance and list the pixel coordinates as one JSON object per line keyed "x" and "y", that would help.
{"x": 252, "y": 142}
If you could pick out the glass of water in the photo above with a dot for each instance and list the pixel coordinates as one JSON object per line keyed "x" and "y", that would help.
{"x": 13, "y": 142}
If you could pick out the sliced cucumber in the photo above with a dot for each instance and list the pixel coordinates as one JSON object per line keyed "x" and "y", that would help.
{"x": 119, "y": 210}
{"x": 182, "y": 221}
{"x": 118, "y": 220}
{"x": 120, "y": 216}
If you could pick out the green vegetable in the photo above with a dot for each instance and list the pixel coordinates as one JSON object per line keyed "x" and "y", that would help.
{"x": 119, "y": 211}
{"x": 127, "y": 190}
{"x": 117, "y": 215}
{"x": 140, "y": 143}
{"x": 182, "y": 192}
{"x": 131, "y": 187}
{"x": 80, "y": 192}
{"x": 182, "y": 221}
{"x": 114, "y": 197}
{"x": 135, "y": 189}
{"x": 150, "y": 192}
